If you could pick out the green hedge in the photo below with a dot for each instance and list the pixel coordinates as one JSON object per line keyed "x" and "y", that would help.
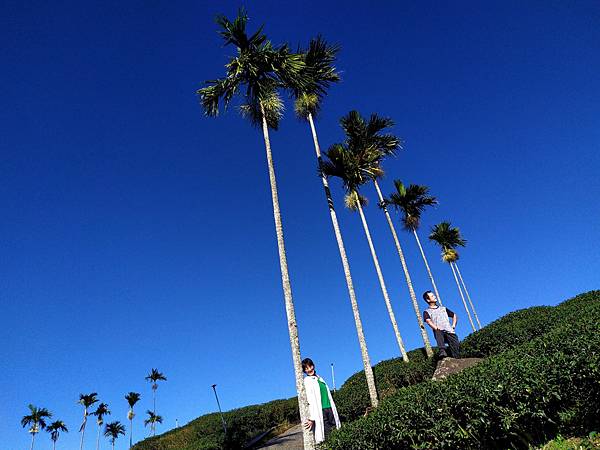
{"x": 352, "y": 399}
{"x": 548, "y": 382}
{"x": 206, "y": 432}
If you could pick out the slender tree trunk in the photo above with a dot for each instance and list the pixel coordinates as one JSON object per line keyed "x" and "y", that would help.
{"x": 83, "y": 431}
{"x": 349, "y": 283}
{"x": 53, "y": 445}
{"x": 32, "y": 439}
{"x": 384, "y": 291}
{"x": 98, "y": 438}
{"x": 154, "y": 399}
{"x": 130, "y": 432}
{"x": 309, "y": 440}
{"x": 411, "y": 291}
{"x": 435, "y": 289}
{"x": 462, "y": 297}
{"x": 468, "y": 296}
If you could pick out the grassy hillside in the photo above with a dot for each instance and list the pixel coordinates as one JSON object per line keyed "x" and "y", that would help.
{"x": 540, "y": 378}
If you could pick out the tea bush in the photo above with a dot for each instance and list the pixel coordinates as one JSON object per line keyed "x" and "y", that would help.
{"x": 543, "y": 385}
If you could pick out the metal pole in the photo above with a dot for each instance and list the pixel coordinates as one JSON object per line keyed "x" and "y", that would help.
{"x": 214, "y": 386}
{"x": 333, "y": 377}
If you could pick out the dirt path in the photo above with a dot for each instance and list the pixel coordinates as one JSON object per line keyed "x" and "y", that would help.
{"x": 290, "y": 440}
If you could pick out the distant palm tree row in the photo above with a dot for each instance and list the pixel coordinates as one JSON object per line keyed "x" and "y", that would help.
{"x": 257, "y": 74}
{"x": 38, "y": 418}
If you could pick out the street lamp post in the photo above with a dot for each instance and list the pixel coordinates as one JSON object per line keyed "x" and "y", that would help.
{"x": 333, "y": 377}
{"x": 214, "y": 386}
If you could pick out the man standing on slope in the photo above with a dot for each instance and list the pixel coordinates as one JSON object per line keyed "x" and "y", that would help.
{"x": 438, "y": 318}
{"x": 323, "y": 416}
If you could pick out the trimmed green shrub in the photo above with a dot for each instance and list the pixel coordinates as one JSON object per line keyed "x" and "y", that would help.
{"x": 352, "y": 399}
{"x": 545, "y": 385}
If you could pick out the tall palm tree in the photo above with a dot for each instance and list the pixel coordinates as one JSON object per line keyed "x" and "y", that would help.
{"x": 351, "y": 165}
{"x": 154, "y": 377}
{"x": 448, "y": 238}
{"x": 368, "y": 137}
{"x": 113, "y": 430}
{"x": 132, "y": 398}
{"x": 411, "y": 201}
{"x": 101, "y": 411}
{"x": 320, "y": 71}
{"x": 37, "y": 419}
{"x": 260, "y": 68}
{"x": 86, "y": 400}
{"x": 152, "y": 419}
{"x": 55, "y": 429}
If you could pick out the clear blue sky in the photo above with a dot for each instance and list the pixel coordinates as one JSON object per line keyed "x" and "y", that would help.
{"x": 136, "y": 233}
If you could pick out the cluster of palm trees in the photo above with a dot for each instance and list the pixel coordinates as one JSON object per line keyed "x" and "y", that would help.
{"x": 258, "y": 73}
{"x": 38, "y": 418}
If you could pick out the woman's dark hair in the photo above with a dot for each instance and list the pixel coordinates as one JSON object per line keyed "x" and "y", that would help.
{"x": 426, "y": 295}
{"x": 306, "y": 363}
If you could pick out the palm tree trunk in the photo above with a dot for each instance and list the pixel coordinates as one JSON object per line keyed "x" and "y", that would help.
{"x": 384, "y": 291}
{"x": 468, "y": 296}
{"x": 309, "y": 440}
{"x": 462, "y": 297}
{"x": 98, "y": 439}
{"x": 154, "y": 399}
{"x": 130, "y": 432}
{"x": 349, "y": 283}
{"x": 411, "y": 291}
{"x": 82, "y": 433}
{"x": 53, "y": 445}
{"x": 32, "y": 438}
{"x": 435, "y": 289}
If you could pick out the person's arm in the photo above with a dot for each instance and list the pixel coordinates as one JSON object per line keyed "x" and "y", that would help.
{"x": 428, "y": 321}
{"x": 454, "y": 317}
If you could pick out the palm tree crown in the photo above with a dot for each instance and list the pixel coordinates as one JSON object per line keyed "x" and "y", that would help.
{"x": 55, "y": 428}
{"x": 113, "y": 430}
{"x": 101, "y": 411}
{"x": 411, "y": 200}
{"x": 154, "y": 377}
{"x": 259, "y": 67}
{"x": 448, "y": 238}
{"x": 36, "y": 418}
{"x": 318, "y": 75}
{"x": 132, "y": 398}
{"x": 152, "y": 419}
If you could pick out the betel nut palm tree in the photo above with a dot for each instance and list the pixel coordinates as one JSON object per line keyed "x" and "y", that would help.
{"x": 369, "y": 136}
{"x": 352, "y": 163}
{"x": 448, "y": 238}
{"x": 154, "y": 377}
{"x": 132, "y": 398}
{"x": 101, "y": 411}
{"x": 411, "y": 201}
{"x": 113, "y": 430}
{"x": 255, "y": 74}
{"x": 55, "y": 428}
{"x": 86, "y": 400}
{"x": 320, "y": 72}
{"x": 152, "y": 420}
{"x": 36, "y": 419}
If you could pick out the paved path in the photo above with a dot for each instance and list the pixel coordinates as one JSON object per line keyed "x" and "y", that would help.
{"x": 290, "y": 440}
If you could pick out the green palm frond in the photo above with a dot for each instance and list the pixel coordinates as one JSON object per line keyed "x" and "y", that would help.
{"x": 254, "y": 73}
{"x": 411, "y": 201}
{"x": 36, "y": 418}
{"x": 152, "y": 418}
{"x": 88, "y": 400}
{"x": 132, "y": 398}
{"x": 101, "y": 411}
{"x": 447, "y": 236}
{"x": 114, "y": 429}
{"x": 55, "y": 428}
{"x": 155, "y": 376}
{"x": 318, "y": 75}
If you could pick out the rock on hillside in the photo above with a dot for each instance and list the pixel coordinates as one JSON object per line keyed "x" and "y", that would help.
{"x": 448, "y": 366}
